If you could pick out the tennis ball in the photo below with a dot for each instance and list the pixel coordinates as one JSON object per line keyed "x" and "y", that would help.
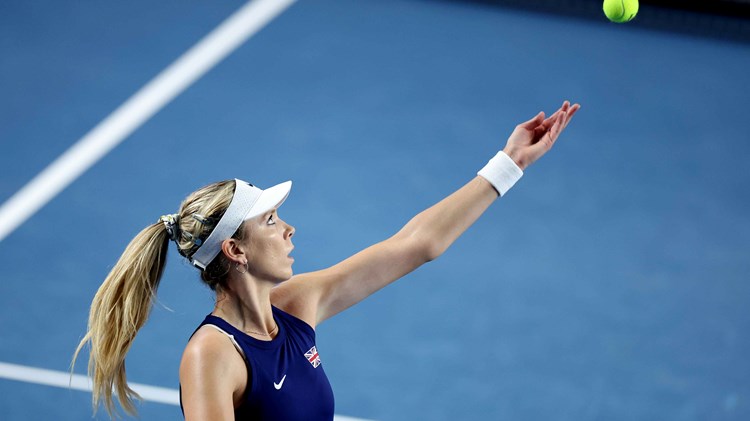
{"x": 620, "y": 10}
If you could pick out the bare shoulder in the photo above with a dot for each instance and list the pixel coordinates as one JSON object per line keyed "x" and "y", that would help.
{"x": 209, "y": 343}
{"x": 212, "y": 372}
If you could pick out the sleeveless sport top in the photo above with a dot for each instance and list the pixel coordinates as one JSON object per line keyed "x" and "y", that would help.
{"x": 287, "y": 381}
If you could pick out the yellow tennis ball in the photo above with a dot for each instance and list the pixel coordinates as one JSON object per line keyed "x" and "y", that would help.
{"x": 620, "y": 10}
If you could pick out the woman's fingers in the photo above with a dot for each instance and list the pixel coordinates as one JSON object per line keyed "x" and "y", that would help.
{"x": 547, "y": 130}
{"x": 550, "y": 121}
{"x": 554, "y": 131}
{"x": 534, "y": 122}
{"x": 573, "y": 109}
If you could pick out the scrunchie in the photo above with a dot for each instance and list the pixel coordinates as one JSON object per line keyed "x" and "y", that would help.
{"x": 171, "y": 223}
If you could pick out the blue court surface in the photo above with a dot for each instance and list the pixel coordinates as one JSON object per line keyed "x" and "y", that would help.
{"x": 610, "y": 284}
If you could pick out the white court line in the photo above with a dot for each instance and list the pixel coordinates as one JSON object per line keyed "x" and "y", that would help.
{"x": 79, "y": 382}
{"x": 188, "y": 68}
{"x": 62, "y": 379}
{"x": 172, "y": 81}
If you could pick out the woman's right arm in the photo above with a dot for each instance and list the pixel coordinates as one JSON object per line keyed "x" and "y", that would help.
{"x": 316, "y": 296}
{"x": 212, "y": 377}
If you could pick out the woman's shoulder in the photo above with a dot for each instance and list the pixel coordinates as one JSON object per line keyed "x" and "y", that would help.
{"x": 209, "y": 343}
{"x": 211, "y": 353}
{"x": 211, "y": 369}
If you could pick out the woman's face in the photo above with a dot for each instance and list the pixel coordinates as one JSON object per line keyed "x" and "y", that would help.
{"x": 269, "y": 240}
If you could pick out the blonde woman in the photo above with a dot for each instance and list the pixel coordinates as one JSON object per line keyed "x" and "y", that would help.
{"x": 254, "y": 356}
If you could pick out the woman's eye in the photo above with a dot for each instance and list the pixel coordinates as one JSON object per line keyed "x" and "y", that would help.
{"x": 271, "y": 221}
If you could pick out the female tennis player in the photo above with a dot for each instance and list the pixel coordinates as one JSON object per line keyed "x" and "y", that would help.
{"x": 254, "y": 356}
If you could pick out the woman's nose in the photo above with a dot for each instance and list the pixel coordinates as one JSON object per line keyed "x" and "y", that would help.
{"x": 290, "y": 231}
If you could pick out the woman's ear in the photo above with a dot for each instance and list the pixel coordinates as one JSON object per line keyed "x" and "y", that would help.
{"x": 234, "y": 251}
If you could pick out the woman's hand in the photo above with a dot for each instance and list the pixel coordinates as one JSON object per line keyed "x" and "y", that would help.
{"x": 532, "y": 139}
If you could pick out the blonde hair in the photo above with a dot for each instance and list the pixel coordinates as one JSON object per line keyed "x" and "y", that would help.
{"x": 123, "y": 302}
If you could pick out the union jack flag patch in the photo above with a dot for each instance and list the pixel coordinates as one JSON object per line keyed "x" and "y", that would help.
{"x": 313, "y": 357}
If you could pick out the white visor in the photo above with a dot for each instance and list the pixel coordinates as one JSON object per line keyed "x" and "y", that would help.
{"x": 248, "y": 202}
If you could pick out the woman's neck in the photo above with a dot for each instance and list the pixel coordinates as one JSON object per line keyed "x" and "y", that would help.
{"x": 246, "y": 305}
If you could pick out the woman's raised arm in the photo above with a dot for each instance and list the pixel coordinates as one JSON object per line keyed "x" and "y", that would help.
{"x": 316, "y": 296}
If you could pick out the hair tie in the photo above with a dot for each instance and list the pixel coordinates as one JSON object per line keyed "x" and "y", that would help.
{"x": 171, "y": 223}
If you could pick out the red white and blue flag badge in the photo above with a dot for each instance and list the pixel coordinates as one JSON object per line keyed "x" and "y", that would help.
{"x": 313, "y": 357}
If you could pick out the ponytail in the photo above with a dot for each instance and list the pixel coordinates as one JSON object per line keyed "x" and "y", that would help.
{"x": 120, "y": 308}
{"x": 122, "y": 304}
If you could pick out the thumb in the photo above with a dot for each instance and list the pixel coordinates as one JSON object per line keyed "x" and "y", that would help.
{"x": 534, "y": 122}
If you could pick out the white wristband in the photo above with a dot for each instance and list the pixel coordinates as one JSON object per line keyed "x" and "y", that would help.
{"x": 501, "y": 172}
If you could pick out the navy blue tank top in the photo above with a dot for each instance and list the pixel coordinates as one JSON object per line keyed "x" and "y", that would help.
{"x": 286, "y": 377}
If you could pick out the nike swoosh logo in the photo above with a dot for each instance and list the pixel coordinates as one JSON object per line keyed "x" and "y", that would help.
{"x": 279, "y": 384}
